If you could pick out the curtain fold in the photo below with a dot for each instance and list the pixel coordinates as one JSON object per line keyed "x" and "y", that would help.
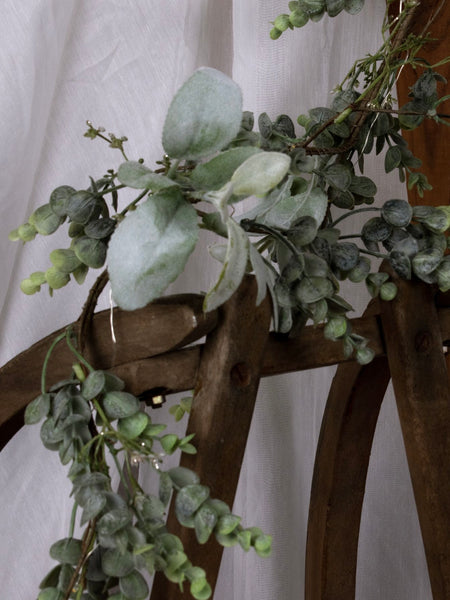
{"x": 118, "y": 63}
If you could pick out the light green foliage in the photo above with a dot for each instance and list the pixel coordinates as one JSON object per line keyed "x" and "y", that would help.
{"x": 204, "y": 116}
{"x": 300, "y": 181}
{"x": 150, "y": 248}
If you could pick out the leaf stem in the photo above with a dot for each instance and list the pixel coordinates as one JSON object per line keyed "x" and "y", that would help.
{"x": 354, "y": 212}
{"x": 74, "y": 351}
{"x": 47, "y": 358}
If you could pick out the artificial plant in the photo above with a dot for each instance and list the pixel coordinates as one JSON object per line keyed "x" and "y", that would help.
{"x": 303, "y": 183}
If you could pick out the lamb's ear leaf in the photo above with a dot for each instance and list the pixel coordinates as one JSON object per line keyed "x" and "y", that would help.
{"x": 204, "y": 116}
{"x": 233, "y": 269}
{"x": 260, "y": 173}
{"x": 136, "y": 175}
{"x": 150, "y": 247}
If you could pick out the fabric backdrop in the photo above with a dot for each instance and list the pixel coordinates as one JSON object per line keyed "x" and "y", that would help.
{"x": 118, "y": 63}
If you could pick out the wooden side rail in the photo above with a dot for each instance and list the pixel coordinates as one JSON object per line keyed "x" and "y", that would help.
{"x": 150, "y": 353}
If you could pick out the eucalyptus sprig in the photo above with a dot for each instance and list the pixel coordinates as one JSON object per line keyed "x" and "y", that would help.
{"x": 86, "y": 419}
{"x": 212, "y": 160}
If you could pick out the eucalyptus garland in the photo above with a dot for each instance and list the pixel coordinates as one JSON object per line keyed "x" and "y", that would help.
{"x": 214, "y": 158}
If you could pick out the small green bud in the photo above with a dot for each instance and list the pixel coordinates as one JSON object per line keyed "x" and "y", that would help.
{"x": 298, "y": 18}
{"x": 364, "y": 355}
{"x": 282, "y": 23}
{"x": 275, "y": 33}
{"x": 38, "y": 277}
{"x": 335, "y": 328}
{"x": 14, "y": 235}
{"x": 27, "y": 232}
{"x": 56, "y": 279}
{"x": 28, "y": 287}
{"x": 388, "y": 291}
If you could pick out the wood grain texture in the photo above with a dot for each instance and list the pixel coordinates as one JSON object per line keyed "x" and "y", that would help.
{"x": 419, "y": 375}
{"x": 221, "y": 414}
{"x": 431, "y": 141}
{"x": 339, "y": 478}
{"x": 168, "y": 323}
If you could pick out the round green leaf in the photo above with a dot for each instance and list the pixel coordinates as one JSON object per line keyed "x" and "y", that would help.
{"x": 82, "y": 206}
{"x": 200, "y": 589}
{"x": 59, "y": 199}
{"x": 45, "y": 221}
{"x": 204, "y": 116}
{"x": 131, "y": 427}
{"x": 189, "y": 499}
{"x": 116, "y": 563}
{"x": 204, "y": 522}
{"x": 50, "y": 593}
{"x": 67, "y": 551}
{"x": 100, "y": 228}
{"x": 37, "y": 409}
{"x": 118, "y": 405}
{"x": 181, "y": 476}
{"x": 376, "y": 230}
{"x": 93, "y": 385}
{"x": 91, "y": 252}
{"x": 312, "y": 289}
{"x": 64, "y": 260}
{"x": 26, "y": 232}
{"x": 345, "y": 255}
{"x": 397, "y": 212}
{"x": 133, "y": 586}
{"x": 114, "y": 520}
{"x": 56, "y": 279}
{"x": 28, "y": 287}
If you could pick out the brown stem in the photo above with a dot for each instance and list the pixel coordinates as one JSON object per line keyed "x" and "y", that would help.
{"x": 397, "y": 41}
{"x": 86, "y": 541}
{"x": 87, "y": 313}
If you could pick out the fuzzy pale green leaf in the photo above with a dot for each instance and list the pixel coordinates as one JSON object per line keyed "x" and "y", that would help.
{"x": 149, "y": 249}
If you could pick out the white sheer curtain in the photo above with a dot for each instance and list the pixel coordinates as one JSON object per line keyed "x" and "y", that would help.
{"x": 118, "y": 63}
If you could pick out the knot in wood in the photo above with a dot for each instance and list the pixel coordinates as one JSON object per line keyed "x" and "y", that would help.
{"x": 423, "y": 342}
{"x": 241, "y": 374}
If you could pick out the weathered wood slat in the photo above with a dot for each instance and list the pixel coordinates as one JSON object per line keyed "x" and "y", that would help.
{"x": 221, "y": 414}
{"x": 339, "y": 478}
{"x": 174, "y": 370}
{"x": 164, "y": 325}
{"x": 419, "y": 375}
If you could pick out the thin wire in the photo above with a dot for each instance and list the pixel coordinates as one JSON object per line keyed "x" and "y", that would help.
{"x": 111, "y": 316}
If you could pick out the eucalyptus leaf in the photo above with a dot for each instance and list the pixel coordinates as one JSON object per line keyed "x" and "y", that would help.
{"x": 339, "y": 176}
{"x": 363, "y": 186}
{"x": 65, "y": 260}
{"x": 189, "y": 499}
{"x": 312, "y": 289}
{"x": 37, "y": 409}
{"x": 133, "y": 586}
{"x": 56, "y": 279}
{"x": 93, "y": 506}
{"x": 204, "y": 522}
{"x": 118, "y": 405}
{"x": 376, "y": 230}
{"x": 83, "y": 206}
{"x": 90, "y": 252}
{"x": 353, "y": 7}
{"x": 150, "y": 248}
{"x": 392, "y": 159}
{"x": 260, "y": 173}
{"x": 425, "y": 262}
{"x": 45, "y": 221}
{"x": 397, "y": 212}
{"x": 114, "y": 520}
{"x": 60, "y": 198}
{"x": 93, "y": 385}
{"x": 67, "y": 551}
{"x": 131, "y": 427}
{"x": 204, "y": 116}
{"x": 181, "y": 476}
{"x": 100, "y": 229}
{"x": 345, "y": 255}
{"x": 116, "y": 563}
